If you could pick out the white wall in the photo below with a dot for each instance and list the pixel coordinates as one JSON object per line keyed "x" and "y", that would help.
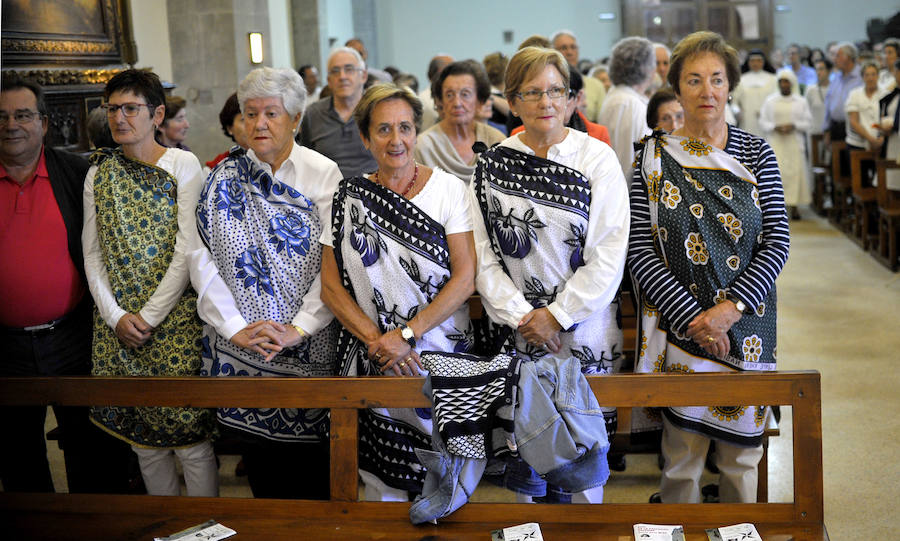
{"x": 340, "y": 25}
{"x": 150, "y": 26}
{"x": 281, "y": 34}
{"x": 816, "y": 22}
{"x": 411, "y": 32}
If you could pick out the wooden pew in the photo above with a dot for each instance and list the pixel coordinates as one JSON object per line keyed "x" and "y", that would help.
{"x": 841, "y": 208}
{"x": 863, "y": 192}
{"x": 820, "y": 173}
{"x": 87, "y": 516}
{"x": 885, "y": 251}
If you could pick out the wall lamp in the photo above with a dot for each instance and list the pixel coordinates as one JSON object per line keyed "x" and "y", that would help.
{"x": 256, "y": 47}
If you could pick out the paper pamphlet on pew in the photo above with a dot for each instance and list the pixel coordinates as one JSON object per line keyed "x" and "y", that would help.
{"x": 530, "y": 531}
{"x": 738, "y": 532}
{"x": 208, "y": 531}
{"x": 658, "y": 532}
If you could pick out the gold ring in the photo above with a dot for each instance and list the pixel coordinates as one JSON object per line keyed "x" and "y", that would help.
{"x": 402, "y": 364}
{"x": 409, "y": 360}
{"x": 378, "y": 356}
{"x": 710, "y": 339}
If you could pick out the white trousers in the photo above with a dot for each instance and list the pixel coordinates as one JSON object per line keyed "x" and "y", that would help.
{"x": 685, "y": 455}
{"x": 201, "y": 475}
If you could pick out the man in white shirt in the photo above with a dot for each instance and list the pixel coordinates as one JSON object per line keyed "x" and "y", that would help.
{"x": 565, "y": 42}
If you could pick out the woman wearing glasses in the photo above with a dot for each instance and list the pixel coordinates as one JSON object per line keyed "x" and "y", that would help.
{"x": 551, "y": 233}
{"x": 459, "y": 91}
{"x": 139, "y": 208}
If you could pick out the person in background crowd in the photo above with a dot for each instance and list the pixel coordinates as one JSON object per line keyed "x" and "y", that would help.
{"x": 806, "y": 76}
{"x": 862, "y": 109}
{"x": 886, "y": 79}
{"x": 310, "y": 75}
{"x": 601, "y": 73}
{"x": 785, "y": 118}
{"x": 328, "y": 126}
{"x": 664, "y": 112}
{"x": 233, "y": 126}
{"x": 408, "y": 80}
{"x": 98, "y": 129}
{"x": 624, "y": 111}
{"x": 45, "y": 316}
{"x": 495, "y": 67}
{"x": 257, "y": 276}
{"x": 430, "y": 113}
{"x": 815, "y": 94}
{"x": 550, "y": 213}
{"x": 662, "y": 68}
{"x": 460, "y": 89}
{"x": 574, "y": 118}
{"x": 889, "y": 124}
{"x": 844, "y": 79}
{"x": 757, "y": 83}
{"x": 709, "y": 235}
{"x": 139, "y": 215}
{"x": 398, "y": 266}
{"x": 374, "y": 75}
{"x": 564, "y": 41}
{"x": 173, "y": 131}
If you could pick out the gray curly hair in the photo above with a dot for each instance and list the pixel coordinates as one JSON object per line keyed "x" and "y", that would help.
{"x": 274, "y": 82}
{"x": 633, "y": 61}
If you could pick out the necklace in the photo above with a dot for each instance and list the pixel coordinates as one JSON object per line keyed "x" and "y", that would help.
{"x": 409, "y": 186}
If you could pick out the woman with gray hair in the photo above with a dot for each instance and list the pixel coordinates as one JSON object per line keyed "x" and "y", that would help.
{"x": 624, "y": 110}
{"x": 256, "y": 273}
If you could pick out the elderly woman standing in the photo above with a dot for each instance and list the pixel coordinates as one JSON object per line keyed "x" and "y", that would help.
{"x": 551, "y": 232}
{"x": 257, "y": 277}
{"x": 460, "y": 90}
{"x": 708, "y": 237}
{"x": 624, "y": 110}
{"x": 397, "y": 269}
{"x": 139, "y": 203}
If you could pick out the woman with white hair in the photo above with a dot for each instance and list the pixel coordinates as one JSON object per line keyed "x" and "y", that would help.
{"x": 785, "y": 118}
{"x": 256, "y": 273}
{"x": 624, "y": 110}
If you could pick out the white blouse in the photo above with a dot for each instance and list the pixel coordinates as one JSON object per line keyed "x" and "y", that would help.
{"x": 595, "y": 284}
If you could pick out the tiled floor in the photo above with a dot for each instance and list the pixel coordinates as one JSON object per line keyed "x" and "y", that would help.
{"x": 839, "y": 313}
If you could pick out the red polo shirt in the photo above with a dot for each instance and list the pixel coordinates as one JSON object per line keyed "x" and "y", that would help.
{"x": 38, "y": 280}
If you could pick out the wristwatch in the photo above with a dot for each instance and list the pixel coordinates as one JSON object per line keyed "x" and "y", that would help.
{"x": 407, "y": 334}
{"x": 738, "y": 303}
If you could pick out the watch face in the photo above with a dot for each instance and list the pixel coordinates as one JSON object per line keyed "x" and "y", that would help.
{"x": 406, "y": 333}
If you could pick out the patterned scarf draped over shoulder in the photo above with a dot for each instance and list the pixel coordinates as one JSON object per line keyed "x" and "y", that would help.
{"x": 263, "y": 237}
{"x": 394, "y": 260}
{"x": 706, "y": 223}
{"x": 137, "y": 221}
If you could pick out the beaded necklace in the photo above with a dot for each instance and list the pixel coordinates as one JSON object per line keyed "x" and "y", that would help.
{"x": 408, "y": 186}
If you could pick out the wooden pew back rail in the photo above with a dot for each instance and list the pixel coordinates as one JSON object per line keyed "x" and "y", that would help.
{"x": 82, "y": 516}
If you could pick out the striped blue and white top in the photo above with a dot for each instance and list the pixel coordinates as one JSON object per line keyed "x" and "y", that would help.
{"x": 664, "y": 290}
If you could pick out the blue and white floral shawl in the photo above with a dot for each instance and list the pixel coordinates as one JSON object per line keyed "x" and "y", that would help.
{"x": 536, "y": 213}
{"x": 263, "y": 236}
{"x": 393, "y": 259}
{"x": 706, "y": 222}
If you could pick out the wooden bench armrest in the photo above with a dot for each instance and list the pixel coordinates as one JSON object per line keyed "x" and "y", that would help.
{"x": 887, "y": 198}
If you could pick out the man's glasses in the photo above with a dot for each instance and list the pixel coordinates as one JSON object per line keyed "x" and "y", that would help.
{"x": 128, "y": 109}
{"x": 21, "y": 116}
{"x": 349, "y": 69}
{"x": 535, "y": 95}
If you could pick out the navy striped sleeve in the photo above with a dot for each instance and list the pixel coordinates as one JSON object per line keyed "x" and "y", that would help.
{"x": 759, "y": 276}
{"x": 656, "y": 281}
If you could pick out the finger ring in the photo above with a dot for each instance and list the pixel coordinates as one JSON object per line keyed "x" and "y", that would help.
{"x": 402, "y": 364}
{"x": 378, "y": 356}
{"x": 710, "y": 339}
{"x": 409, "y": 360}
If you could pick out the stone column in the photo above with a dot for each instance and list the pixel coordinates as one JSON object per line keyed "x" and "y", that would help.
{"x": 309, "y": 19}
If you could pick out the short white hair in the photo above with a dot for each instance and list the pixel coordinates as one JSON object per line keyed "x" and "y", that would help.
{"x": 349, "y": 50}
{"x": 560, "y": 33}
{"x": 269, "y": 82}
{"x": 662, "y": 46}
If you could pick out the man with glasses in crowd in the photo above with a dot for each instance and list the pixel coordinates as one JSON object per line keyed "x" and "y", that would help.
{"x": 328, "y": 127}
{"x": 45, "y": 316}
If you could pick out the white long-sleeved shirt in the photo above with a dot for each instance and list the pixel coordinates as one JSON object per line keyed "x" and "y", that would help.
{"x": 316, "y": 177}
{"x": 624, "y": 113}
{"x": 185, "y": 167}
{"x": 594, "y": 285}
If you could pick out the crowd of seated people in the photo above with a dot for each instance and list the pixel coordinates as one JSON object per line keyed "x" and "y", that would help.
{"x": 350, "y": 222}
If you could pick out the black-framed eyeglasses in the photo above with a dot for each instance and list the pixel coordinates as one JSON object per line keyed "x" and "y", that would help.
{"x": 128, "y": 109}
{"x": 535, "y": 95}
{"x": 21, "y": 116}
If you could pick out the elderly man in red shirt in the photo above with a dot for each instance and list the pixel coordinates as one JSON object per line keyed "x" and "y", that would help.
{"x": 45, "y": 313}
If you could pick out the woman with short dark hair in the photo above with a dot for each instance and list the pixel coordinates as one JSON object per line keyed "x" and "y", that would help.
{"x": 173, "y": 130}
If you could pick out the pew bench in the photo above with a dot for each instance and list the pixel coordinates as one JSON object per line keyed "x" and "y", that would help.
{"x": 90, "y": 516}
